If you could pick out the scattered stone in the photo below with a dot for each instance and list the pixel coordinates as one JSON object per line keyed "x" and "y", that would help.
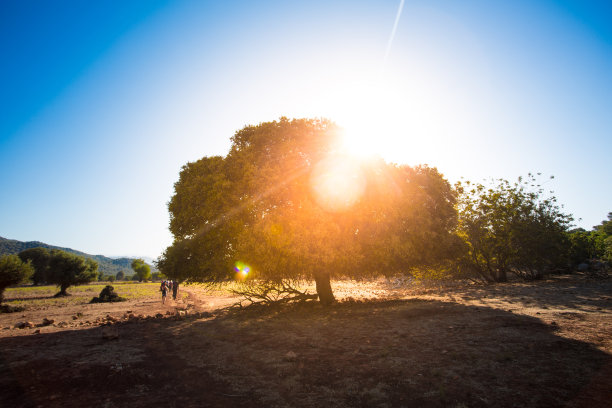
{"x": 37, "y": 331}
{"x": 110, "y": 333}
{"x": 206, "y": 314}
{"x": 159, "y": 315}
{"x": 74, "y": 317}
{"x": 24, "y": 325}
{"x": 47, "y": 322}
{"x": 290, "y": 356}
{"x": 131, "y": 315}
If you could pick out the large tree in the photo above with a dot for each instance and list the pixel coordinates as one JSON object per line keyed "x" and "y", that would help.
{"x": 286, "y": 202}
{"x": 13, "y": 271}
{"x": 67, "y": 269}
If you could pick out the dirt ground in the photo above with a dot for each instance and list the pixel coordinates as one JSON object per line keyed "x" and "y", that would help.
{"x": 384, "y": 344}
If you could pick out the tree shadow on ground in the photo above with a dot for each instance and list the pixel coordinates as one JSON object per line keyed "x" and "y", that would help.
{"x": 353, "y": 354}
{"x": 568, "y": 292}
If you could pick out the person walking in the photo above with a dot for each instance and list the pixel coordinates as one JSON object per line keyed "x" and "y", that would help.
{"x": 164, "y": 291}
{"x": 174, "y": 290}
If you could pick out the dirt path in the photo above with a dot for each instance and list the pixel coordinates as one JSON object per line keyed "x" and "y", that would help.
{"x": 536, "y": 344}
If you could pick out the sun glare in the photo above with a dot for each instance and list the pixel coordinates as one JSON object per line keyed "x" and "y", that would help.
{"x": 374, "y": 122}
{"x": 337, "y": 182}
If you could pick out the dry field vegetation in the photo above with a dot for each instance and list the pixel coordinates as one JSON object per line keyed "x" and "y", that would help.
{"x": 384, "y": 344}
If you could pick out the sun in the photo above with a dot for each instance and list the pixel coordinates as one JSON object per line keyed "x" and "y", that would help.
{"x": 337, "y": 182}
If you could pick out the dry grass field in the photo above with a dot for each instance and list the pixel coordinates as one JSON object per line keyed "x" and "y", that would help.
{"x": 384, "y": 344}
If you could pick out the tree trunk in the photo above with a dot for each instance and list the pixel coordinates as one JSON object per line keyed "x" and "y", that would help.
{"x": 501, "y": 276}
{"x": 63, "y": 289}
{"x": 324, "y": 290}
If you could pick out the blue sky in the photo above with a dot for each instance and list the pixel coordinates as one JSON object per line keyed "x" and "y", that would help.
{"x": 102, "y": 102}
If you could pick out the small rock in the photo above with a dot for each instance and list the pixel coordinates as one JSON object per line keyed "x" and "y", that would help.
{"x": 24, "y": 325}
{"x": 290, "y": 356}
{"x": 110, "y": 333}
{"x": 74, "y": 317}
{"x": 159, "y": 315}
{"x": 131, "y": 316}
{"x": 206, "y": 314}
{"x": 47, "y": 322}
{"x": 37, "y": 331}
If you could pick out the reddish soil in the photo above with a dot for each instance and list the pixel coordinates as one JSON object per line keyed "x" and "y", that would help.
{"x": 541, "y": 344}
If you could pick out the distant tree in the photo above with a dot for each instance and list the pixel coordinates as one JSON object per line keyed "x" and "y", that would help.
{"x": 582, "y": 246}
{"x": 13, "y": 271}
{"x": 66, "y": 269}
{"x": 142, "y": 270}
{"x": 512, "y": 228}
{"x": 39, "y": 257}
{"x": 608, "y": 249}
{"x": 120, "y": 275}
{"x": 111, "y": 278}
{"x": 594, "y": 244}
{"x": 157, "y": 276}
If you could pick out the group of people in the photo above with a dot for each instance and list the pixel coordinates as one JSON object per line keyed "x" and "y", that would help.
{"x": 166, "y": 286}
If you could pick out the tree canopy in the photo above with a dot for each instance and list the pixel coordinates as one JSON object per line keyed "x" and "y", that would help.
{"x": 287, "y": 204}
{"x": 39, "y": 257}
{"x": 142, "y": 270}
{"x": 13, "y": 271}
{"x": 67, "y": 269}
{"x": 512, "y": 228}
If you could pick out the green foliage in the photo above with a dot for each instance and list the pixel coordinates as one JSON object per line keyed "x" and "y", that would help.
{"x": 105, "y": 265}
{"x": 594, "y": 244}
{"x": 511, "y": 228}
{"x": 39, "y": 257}
{"x": 120, "y": 275}
{"x": 157, "y": 276}
{"x": 269, "y": 204}
{"x": 13, "y": 271}
{"x": 142, "y": 270}
{"x": 67, "y": 269}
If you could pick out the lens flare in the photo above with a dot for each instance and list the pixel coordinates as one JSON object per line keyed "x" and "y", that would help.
{"x": 242, "y": 270}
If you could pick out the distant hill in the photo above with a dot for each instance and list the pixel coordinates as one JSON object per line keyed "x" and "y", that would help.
{"x": 106, "y": 265}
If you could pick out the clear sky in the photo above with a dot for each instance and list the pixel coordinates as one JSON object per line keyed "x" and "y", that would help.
{"x": 102, "y": 102}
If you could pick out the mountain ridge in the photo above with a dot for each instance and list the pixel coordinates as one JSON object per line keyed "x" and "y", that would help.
{"x": 106, "y": 265}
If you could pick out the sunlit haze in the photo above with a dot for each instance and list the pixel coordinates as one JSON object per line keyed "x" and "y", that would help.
{"x": 103, "y": 102}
